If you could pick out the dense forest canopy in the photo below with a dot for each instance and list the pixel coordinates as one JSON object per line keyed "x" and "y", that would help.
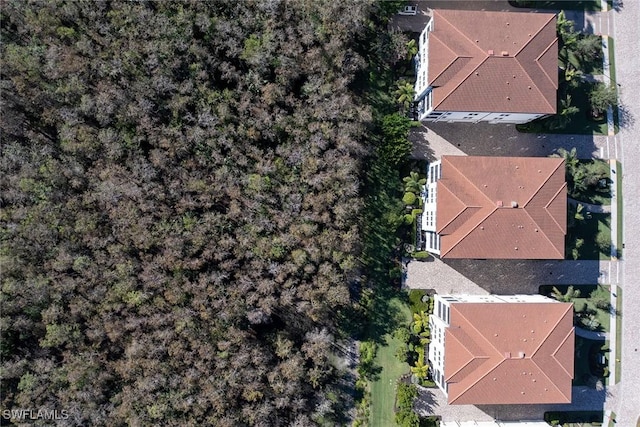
{"x": 180, "y": 198}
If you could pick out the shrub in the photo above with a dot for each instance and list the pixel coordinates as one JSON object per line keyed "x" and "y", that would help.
{"x": 421, "y": 255}
{"x": 416, "y": 302}
{"x": 402, "y": 334}
{"x": 405, "y": 396}
{"x": 579, "y": 306}
{"x": 402, "y": 353}
{"x": 409, "y": 198}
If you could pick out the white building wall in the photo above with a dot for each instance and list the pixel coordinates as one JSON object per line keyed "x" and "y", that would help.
{"x": 422, "y": 64}
{"x": 536, "y": 298}
{"x": 474, "y": 117}
{"x": 432, "y": 240}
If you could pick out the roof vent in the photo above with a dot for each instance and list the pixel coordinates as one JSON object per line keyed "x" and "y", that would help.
{"x": 505, "y": 53}
{"x": 490, "y": 52}
{"x": 521, "y": 355}
{"x": 508, "y": 98}
{"x": 499, "y": 203}
{"x": 514, "y": 204}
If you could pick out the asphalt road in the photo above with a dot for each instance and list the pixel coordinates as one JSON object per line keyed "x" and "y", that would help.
{"x": 625, "y": 399}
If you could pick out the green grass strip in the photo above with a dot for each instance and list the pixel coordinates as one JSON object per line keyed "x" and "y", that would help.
{"x": 619, "y": 222}
{"x": 618, "y": 333}
{"x": 612, "y": 76}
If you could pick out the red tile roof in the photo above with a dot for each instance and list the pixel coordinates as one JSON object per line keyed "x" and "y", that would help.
{"x": 475, "y": 216}
{"x": 509, "y": 353}
{"x": 493, "y": 61}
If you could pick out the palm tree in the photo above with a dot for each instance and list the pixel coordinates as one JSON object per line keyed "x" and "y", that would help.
{"x": 562, "y": 119}
{"x": 420, "y": 369}
{"x": 420, "y": 321}
{"x": 404, "y": 94}
{"x": 572, "y": 76}
{"x": 578, "y": 213}
{"x": 412, "y": 49}
{"x": 568, "y": 38}
{"x": 413, "y": 183}
{"x": 424, "y": 337}
{"x": 569, "y": 296}
{"x": 571, "y": 163}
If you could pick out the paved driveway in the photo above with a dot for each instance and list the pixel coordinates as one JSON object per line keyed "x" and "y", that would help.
{"x": 484, "y": 139}
{"x": 433, "y": 401}
{"x": 465, "y": 276}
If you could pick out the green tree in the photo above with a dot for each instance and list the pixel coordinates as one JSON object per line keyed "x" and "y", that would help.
{"x": 395, "y": 147}
{"x": 601, "y": 97}
{"x": 588, "y": 47}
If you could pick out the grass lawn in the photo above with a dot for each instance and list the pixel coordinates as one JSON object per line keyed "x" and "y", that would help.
{"x": 383, "y": 390}
{"x": 618, "y": 334}
{"x": 592, "y": 5}
{"x": 587, "y": 230}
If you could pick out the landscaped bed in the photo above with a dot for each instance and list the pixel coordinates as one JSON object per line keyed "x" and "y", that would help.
{"x": 595, "y": 233}
{"x": 595, "y": 170}
{"x": 558, "y": 4}
{"x": 588, "y": 366}
{"x": 591, "y": 305}
{"x": 580, "y": 123}
{"x": 574, "y": 418}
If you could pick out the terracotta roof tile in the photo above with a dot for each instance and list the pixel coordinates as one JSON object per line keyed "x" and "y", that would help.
{"x": 493, "y": 61}
{"x": 513, "y": 353}
{"x": 501, "y": 207}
